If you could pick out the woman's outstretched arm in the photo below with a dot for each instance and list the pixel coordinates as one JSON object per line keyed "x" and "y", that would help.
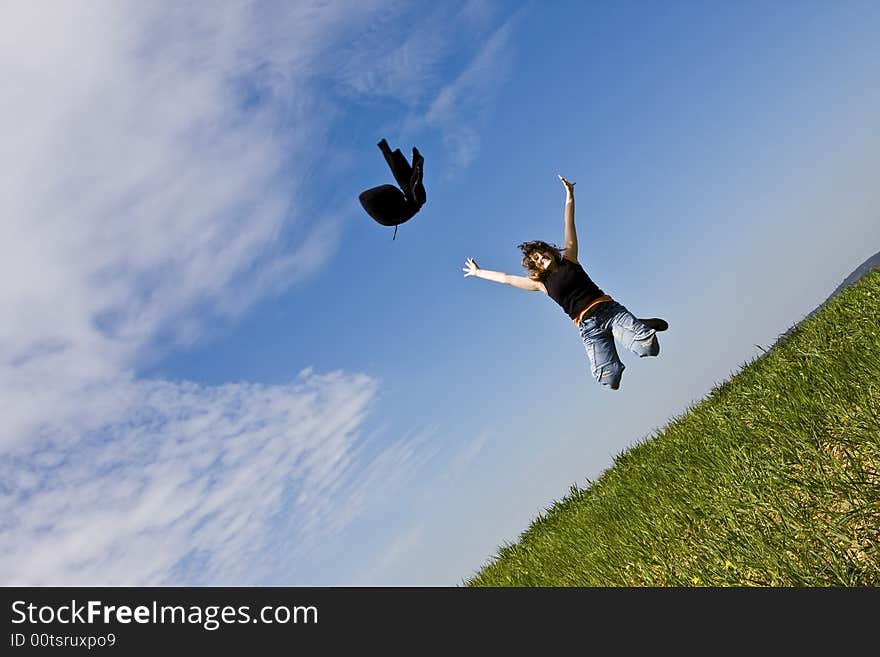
{"x": 523, "y": 283}
{"x": 570, "y": 238}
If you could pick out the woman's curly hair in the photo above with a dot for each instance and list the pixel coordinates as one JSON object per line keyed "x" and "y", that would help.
{"x": 528, "y": 248}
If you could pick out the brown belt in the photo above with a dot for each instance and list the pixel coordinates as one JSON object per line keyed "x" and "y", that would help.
{"x": 586, "y": 311}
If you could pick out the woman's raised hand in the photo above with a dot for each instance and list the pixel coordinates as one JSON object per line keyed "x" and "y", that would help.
{"x": 470, "y": 267}
{"x": 569, "y": 186}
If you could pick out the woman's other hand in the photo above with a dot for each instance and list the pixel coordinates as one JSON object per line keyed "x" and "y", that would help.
{"x": 470, "y": 267}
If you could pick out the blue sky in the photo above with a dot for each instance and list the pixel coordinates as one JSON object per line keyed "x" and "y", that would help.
{"x": 218, "y": 370}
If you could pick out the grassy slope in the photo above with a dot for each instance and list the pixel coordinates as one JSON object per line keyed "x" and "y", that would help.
{"x": 772, "y": 480}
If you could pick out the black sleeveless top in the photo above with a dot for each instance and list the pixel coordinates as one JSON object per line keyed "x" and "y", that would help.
{"x": 570, "y": 287}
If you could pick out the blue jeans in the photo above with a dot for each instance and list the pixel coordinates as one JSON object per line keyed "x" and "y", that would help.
{"x": 608, "y": 321}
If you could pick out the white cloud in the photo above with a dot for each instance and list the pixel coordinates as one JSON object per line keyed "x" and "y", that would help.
{"x": 188, "y": 472}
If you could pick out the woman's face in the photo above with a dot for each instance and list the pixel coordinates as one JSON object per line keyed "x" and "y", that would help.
{"x": 541, "y": 260}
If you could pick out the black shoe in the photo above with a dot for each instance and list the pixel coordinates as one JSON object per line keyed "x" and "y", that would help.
{"x": 655, "y": 323}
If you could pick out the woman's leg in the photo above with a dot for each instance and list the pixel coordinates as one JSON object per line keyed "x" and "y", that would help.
{"x": 605, "y": 363}
{"x": 633, "y": 334}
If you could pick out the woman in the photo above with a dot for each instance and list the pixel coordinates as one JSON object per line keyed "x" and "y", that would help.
{"x": 557, "y": 273}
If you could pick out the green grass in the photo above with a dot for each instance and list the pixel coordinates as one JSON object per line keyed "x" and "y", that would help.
{"x": 772, "y": 480}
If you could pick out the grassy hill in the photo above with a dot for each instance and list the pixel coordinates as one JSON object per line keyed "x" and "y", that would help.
{"x": 772, "y": 480}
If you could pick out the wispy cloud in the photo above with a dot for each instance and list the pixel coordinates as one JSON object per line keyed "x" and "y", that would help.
{"x": 399, "y": 548}
{"x": 184, "y": 487}
{"x": 409, "y": 544}
{"x": 461, "y": 107}
{"x": 409, "y": 58}
{"x": 405, "y": 55}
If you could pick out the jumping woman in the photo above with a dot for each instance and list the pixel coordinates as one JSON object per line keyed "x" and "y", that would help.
{"x": 558, "y": 274}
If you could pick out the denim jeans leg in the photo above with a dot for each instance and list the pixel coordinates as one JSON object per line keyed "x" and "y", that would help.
{"x": 632, "y": 334}
{"x": 598, "y": 340}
